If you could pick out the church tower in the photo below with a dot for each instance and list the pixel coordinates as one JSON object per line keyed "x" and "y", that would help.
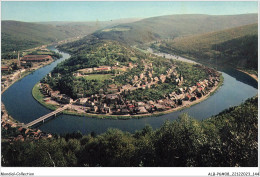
{"x": 19, "y": 62}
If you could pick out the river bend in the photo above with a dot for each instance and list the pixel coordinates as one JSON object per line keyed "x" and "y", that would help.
{"x": 21, "y": 105}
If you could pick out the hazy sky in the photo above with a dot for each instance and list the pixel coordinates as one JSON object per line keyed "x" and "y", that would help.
{"x": 103, "y": 11}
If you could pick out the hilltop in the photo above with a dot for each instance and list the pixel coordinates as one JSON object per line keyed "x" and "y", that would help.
{"x": 236, "y": 46}
{"x": 172, "y": 26}
{"x": 84, "y": 28}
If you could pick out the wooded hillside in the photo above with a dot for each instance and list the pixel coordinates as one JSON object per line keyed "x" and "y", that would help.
{"x": 172, "y": 26}
{"x": 236, "y": 46}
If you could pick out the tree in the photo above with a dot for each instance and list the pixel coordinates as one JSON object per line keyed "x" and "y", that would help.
{"x": 178, "y": 143}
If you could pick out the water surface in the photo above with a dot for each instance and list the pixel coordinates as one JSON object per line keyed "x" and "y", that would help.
{"x": 20, "y": 104}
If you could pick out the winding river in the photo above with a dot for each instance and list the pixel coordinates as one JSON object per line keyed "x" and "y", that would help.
{"x": 20, "y": 104}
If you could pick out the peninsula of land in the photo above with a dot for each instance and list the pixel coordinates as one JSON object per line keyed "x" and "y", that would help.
{"x": 109, "y": 79}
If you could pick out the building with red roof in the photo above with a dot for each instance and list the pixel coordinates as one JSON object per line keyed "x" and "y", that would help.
{"x": 5, "y": 68}
{"x": 36, "y": 58}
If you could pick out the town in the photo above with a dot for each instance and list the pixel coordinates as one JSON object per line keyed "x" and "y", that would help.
{"x": 32, "y": 59}
{"x": 114, "y": 100}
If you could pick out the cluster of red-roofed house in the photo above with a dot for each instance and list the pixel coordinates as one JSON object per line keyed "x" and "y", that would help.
{"x": 36, "y": 58}
{"x": 23, "y": 133}
{"x": 99, "y": 69}
{"x": 18, "y": 131}
{"x": 113, "y": 101}
{"x": 55, "y": 95}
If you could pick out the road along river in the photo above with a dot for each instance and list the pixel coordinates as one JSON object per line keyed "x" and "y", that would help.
{"x": 21, "y": 105}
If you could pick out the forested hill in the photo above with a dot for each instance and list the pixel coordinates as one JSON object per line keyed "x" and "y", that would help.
{"x": 18, "y": 35}
{"x": 21, "y": 35}
{"x": 172, "y": 26}
{"x": 236, "y": 46}
{"x": 92, "y": 52}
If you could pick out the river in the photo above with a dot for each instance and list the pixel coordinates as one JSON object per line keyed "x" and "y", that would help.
{"x": 21, "y": 105}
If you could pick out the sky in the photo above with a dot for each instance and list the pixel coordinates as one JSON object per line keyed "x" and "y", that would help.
{"x": 42, "y": 11}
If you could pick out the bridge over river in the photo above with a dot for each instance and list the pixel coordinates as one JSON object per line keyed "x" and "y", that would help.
{"x": 48, "y": 115}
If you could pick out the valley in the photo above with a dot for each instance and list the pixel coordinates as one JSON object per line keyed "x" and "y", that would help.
{"x": 129, "y": 84}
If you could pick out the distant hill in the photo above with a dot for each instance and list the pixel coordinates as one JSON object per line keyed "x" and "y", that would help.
{"x": 21, "y": 35}
{"x": 85, "y": 28}
{"x": 173, "y": 26}
{"x": 18, "y": 35}
{"x": 236, "y": 46}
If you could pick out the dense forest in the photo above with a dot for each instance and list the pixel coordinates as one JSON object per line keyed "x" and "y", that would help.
{"x": 21, "y": 35}
{"x": 228, "y": 139}
{"x": 237, "y": 47}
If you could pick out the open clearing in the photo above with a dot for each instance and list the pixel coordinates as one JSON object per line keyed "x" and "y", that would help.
{"x": 100, "y": 77}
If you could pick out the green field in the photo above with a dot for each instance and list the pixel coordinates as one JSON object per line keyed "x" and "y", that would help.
{"x": 99, "y": 77}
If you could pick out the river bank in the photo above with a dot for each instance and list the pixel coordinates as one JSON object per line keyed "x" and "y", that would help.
{"x": 12, "y": 130}
{"x": 15, "y": 80}
{"x": 18, "y": 75}
{"x": 251, "y": 75}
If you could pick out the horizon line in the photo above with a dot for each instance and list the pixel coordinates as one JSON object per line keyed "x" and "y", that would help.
{"x": 140, "y": 18}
